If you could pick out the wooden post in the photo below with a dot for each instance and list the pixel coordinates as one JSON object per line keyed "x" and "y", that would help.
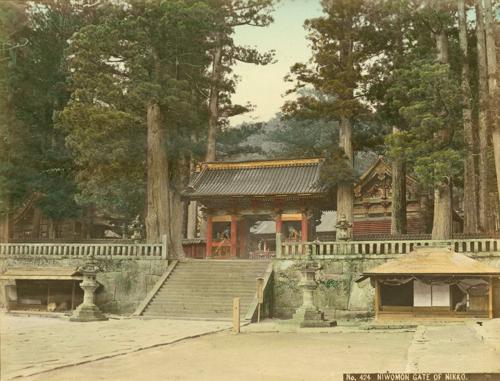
{"x": 490, "y": 299}
{"x": 48, "y": 295}
{"x": 73, "y": 296}
{"x": 242, "y": 238}
{"x": 305, "y": 227}
{"x": 304, "y": 233}
{"x": 234, "y": 235}
{"x": 260, "y": 296}
{"x": 209, "y": 237}
{"x": 236, "y": 315}
{"x": 279, "y": 227}
{"x": 377, "y": 298}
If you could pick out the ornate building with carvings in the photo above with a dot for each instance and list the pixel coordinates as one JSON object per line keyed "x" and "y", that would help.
{"x": 373, "y": 202}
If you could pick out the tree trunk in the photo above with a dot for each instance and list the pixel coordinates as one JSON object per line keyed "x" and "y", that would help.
{"x": 491, "y": 54}
{"x": 442, "y": 225}
{"x": 345, "y": 192}
{"x": 179, "y": 180}
{"x": 470, "y": 195}
{"x": 483, "y": 120}
{"x": 192, "y": 215}
{"x": 37, "y": 219}
{"x": 398, "y": 215}
{"x": 176, "y": 215}
{"x": 5, "y": 227}
{"x": 213, "y": 104}
{"x": 157, "y": 218}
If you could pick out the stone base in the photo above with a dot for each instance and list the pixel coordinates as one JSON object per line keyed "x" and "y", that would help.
{"x": 88, "y": 313}
{"x": 312, "y": 317}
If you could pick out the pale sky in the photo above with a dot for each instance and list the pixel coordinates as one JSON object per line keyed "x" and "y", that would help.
{"x": 264, "y": 86}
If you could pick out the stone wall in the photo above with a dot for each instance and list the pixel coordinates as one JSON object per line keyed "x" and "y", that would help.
{"x": 125, "y": 282}
{"x": 338, "y": 295}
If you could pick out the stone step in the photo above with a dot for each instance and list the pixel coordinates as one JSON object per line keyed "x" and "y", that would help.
{"x": 206, "y": 300}
{"x": 224, "y": 314}
{"x": 197, "y": 307}
{"x": 196, "y": 311}
{"x": 220, "y": 265}
{"x": 180, "y": 296}
{"x": 206, "y": 289}
{"x": 211, "y": 286}
{"x": 236, "y": 275}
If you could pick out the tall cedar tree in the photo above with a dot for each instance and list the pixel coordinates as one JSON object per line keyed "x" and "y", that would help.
{"x": 11, "y": 16}
{"x": 225, "y": 53}
{"x": 391, "y": 38}
{"x": 334, "y": 72}
{"x": 138, "y": 84}
{"x": 485, "y": 210}
{"x": 494, "y": 127}
{"x": 36, "y": 160}
{"x": 470, "y": 180}
{"x": 230, "y": 14}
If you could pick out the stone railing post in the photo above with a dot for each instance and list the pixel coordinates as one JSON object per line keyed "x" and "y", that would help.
{"x": 164, "y": 247}
{"x": 343, "y": 235}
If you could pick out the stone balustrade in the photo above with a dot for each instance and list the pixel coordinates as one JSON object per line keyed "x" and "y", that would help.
{"x": 319, "y": 249}
{"x": 83, "y": 250}
{"x": 326, "y": 249}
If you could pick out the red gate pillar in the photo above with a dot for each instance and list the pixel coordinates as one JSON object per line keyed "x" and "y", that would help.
{"x": 209, "y": 236}
{"x": 234, "y": 235}
{"x": 242, "y": 238}
{"x": 279, "y": 223}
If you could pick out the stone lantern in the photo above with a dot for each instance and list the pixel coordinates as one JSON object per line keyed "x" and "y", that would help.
{"x": 88, "y": 311}
{"x": 137, "y": 229}
{"x": 343, "y": 229}
{"x": 308, "y": 315}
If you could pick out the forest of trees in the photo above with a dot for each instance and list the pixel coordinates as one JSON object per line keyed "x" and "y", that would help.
{"x": 112, "y": 103}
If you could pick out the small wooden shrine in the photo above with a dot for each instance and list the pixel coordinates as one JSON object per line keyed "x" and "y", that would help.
{"x": 435, "y": 283}
{"x": 236, "y": 195}
{"x": 47, "y": 289}
{"x": 29, "y": 224}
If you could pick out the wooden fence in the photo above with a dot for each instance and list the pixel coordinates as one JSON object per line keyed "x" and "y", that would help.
{"x": 317, "y": 248}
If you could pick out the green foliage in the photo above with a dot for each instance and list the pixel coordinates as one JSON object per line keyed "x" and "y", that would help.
{"x": 302, "y": 137}
{"x": 336, "y": 170}
{"x": 35, "y": 158}
{"x": 335, "y": 68}
{"x": 229, "y": 15}
{"x": 234, "y": 141}
{"x": 427, "y": 96}
{"x": 134, "y": 55}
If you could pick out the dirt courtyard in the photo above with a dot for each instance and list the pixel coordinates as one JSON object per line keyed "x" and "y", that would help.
{"x": 271, "y": 352}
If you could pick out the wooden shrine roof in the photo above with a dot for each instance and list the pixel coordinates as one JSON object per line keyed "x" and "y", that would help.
{"x": 297, "y": 177}
{"x": 42, "y": 273}
{"x": 433, "y": 261}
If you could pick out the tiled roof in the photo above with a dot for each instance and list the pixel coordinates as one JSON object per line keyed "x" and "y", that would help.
{"x": 256, "y": 178}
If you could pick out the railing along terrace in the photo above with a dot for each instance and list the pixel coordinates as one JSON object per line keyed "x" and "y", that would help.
{"x": 318, "y": 248}
{"x": 84, "y": 250}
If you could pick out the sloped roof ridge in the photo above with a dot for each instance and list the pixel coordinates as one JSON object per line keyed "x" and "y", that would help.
{"x": 274, "y": 163}
{"x": 433, "y": 260}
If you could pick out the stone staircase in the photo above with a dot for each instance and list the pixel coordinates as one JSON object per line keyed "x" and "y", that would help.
{"x": 204, "y": 289}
